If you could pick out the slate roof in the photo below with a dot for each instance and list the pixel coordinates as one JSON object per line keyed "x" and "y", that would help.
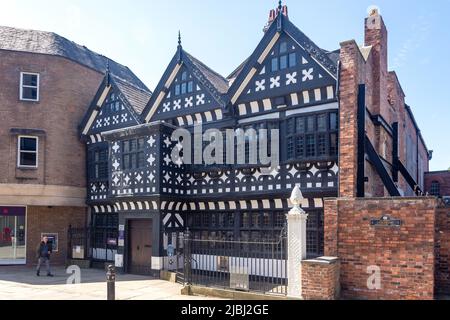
{"x": 219, "y": 82}
{"x": 238, "y": 70}
{"x": 137, "y": 97}
{"x": 333, "y": 55}
{"x": 49, "y": 43}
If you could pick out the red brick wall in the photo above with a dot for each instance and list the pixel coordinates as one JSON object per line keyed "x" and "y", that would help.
{"x": 385, "y": 98}
{"x": 443, "y": 177}
{"x": 320, "y": 279}
{"x": 443, "y": 250}
{"x": 404, "y": 255}
{"x": 52, "y": 220}
{"x": 351, "y": 77}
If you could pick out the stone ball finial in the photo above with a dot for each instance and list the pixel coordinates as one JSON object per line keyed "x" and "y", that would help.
{"x": 297, "y": 196}
{"x": 373, "y": 11}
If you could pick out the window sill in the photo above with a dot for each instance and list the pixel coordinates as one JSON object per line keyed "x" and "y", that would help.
{"x": 29, "y": 101}
{"x": 27, "y": 168}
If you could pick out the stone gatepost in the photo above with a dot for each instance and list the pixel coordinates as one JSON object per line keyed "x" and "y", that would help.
{"x": 297, "y": 219}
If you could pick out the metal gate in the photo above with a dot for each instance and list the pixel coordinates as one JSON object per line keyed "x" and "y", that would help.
{"x": 174, "y": 258}
{"x": 237, "y": 265}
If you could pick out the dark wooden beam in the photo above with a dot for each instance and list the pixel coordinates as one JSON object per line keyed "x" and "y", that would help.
{"x": 381, "y": 170}
{"x": 409, "y": 179}
{"x": 395, "y": 155}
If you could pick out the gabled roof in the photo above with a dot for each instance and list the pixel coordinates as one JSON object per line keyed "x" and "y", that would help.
{"x": 219, "y": 82}
{"x": 137, "y": 97}
{"x": 238, "y": 70}
{"x": 49, "y": 43}
{"x": 216, "y": 84}
{"x": 135, "y": 100}
{"x": 326, "y": 59}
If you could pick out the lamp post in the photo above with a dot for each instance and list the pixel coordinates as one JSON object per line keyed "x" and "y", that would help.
{"x": 297, "y": 219}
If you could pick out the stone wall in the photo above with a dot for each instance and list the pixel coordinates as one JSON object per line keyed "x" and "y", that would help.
{"x": 404, "y": 255}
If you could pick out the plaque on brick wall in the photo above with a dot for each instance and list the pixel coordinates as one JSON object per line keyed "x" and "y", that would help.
{"x": 386, "y": 221}
{"x": 239, "y": 278}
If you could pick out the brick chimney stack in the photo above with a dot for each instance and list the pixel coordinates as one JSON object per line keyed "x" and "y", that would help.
{"x": 273, "y": 14}
{"x": 376, "y": 35}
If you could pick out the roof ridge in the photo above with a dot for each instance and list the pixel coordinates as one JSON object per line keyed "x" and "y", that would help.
{"x": 52, "y": 43}
{"x": 206, "y": 66}
{"x": 131, "y": 84}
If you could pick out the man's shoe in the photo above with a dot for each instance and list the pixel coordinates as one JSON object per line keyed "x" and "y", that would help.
{"x": 38, "y": 274}
{"x": 50, "y": 275}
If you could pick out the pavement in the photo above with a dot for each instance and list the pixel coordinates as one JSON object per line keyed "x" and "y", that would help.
{"x": 21, "y": 283}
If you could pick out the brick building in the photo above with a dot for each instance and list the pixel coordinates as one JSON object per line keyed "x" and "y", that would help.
{"x": 47, "y": 84}
{"x": 344, "y": 131}
{"x": 437, "y": 183}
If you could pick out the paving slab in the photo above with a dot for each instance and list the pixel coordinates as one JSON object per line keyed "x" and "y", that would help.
{"x": 21, "y": 283}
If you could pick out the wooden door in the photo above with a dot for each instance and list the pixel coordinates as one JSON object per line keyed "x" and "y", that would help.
{"x": 140, "y": 246}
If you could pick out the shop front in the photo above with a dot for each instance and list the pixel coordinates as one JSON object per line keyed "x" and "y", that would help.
{"x": 12, "y": 235}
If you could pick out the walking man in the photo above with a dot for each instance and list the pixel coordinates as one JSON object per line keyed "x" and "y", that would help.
{"x": 44, "y": 250}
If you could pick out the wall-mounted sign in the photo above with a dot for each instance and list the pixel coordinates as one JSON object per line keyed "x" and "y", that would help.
{"x": 13, "y": 211}
{"x": 170, "y": 250}
{"x": 118, "y": 261}
{"x": 386, "y": 221}
{"x": 112, "y": 242}
{"x": 223, "y": 264}
{"x": 121, "y": 236}
{"x": 239, "y": 278}
{"x": 53, "y": 240}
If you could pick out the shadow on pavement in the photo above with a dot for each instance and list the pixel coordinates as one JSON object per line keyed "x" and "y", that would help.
{"x": 27, "y": 276}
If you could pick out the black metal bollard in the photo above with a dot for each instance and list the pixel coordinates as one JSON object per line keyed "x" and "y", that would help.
{"x": 111, "y": 282}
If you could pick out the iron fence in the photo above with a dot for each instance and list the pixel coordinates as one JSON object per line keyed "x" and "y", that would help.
{"x": 237, "y": 265}
{"x": 78, "y": 243}
{"x": 97, "y": 245}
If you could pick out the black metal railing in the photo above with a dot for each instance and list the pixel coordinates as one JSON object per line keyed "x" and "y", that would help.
{"x": 78, "y": 243}
{"x": 95, "y": 244}
{"x": 252, "y": 266}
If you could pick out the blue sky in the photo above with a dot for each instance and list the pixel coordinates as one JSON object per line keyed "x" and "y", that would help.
{"x": 142, "y": 34}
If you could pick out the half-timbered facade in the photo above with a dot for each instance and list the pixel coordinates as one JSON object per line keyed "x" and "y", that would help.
{"x": 287, "y": 84}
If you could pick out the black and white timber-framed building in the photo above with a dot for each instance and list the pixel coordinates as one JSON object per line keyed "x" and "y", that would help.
{"x": 138, "y": 195}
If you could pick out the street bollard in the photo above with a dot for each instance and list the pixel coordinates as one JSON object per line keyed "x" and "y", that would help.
{"x": 111, "y": 281}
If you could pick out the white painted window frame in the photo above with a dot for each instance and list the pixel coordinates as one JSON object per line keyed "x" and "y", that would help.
{"x": 19, "y": 151}
{"x": 22, "y": 86}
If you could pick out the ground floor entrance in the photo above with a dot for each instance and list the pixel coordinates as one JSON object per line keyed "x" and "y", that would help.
{"x": 140, "y": 246}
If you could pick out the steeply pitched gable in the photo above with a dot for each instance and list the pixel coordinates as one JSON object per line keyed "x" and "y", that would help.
{"x": 188, "y": 92}
{"x": 313, "y": 67}
{"x": 117, "y": 104}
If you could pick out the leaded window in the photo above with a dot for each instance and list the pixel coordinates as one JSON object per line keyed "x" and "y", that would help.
{"x": 285, "y": 58}
{"x": 105, "y": 236}
{"x": 435, "y": 189}
{"x": 100, "y": 164}
{"x": 184, "y": 86}
{"x": 133, "y": 156}
{"x": 311, "y": 136}
{"x": 113, "y": 103}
